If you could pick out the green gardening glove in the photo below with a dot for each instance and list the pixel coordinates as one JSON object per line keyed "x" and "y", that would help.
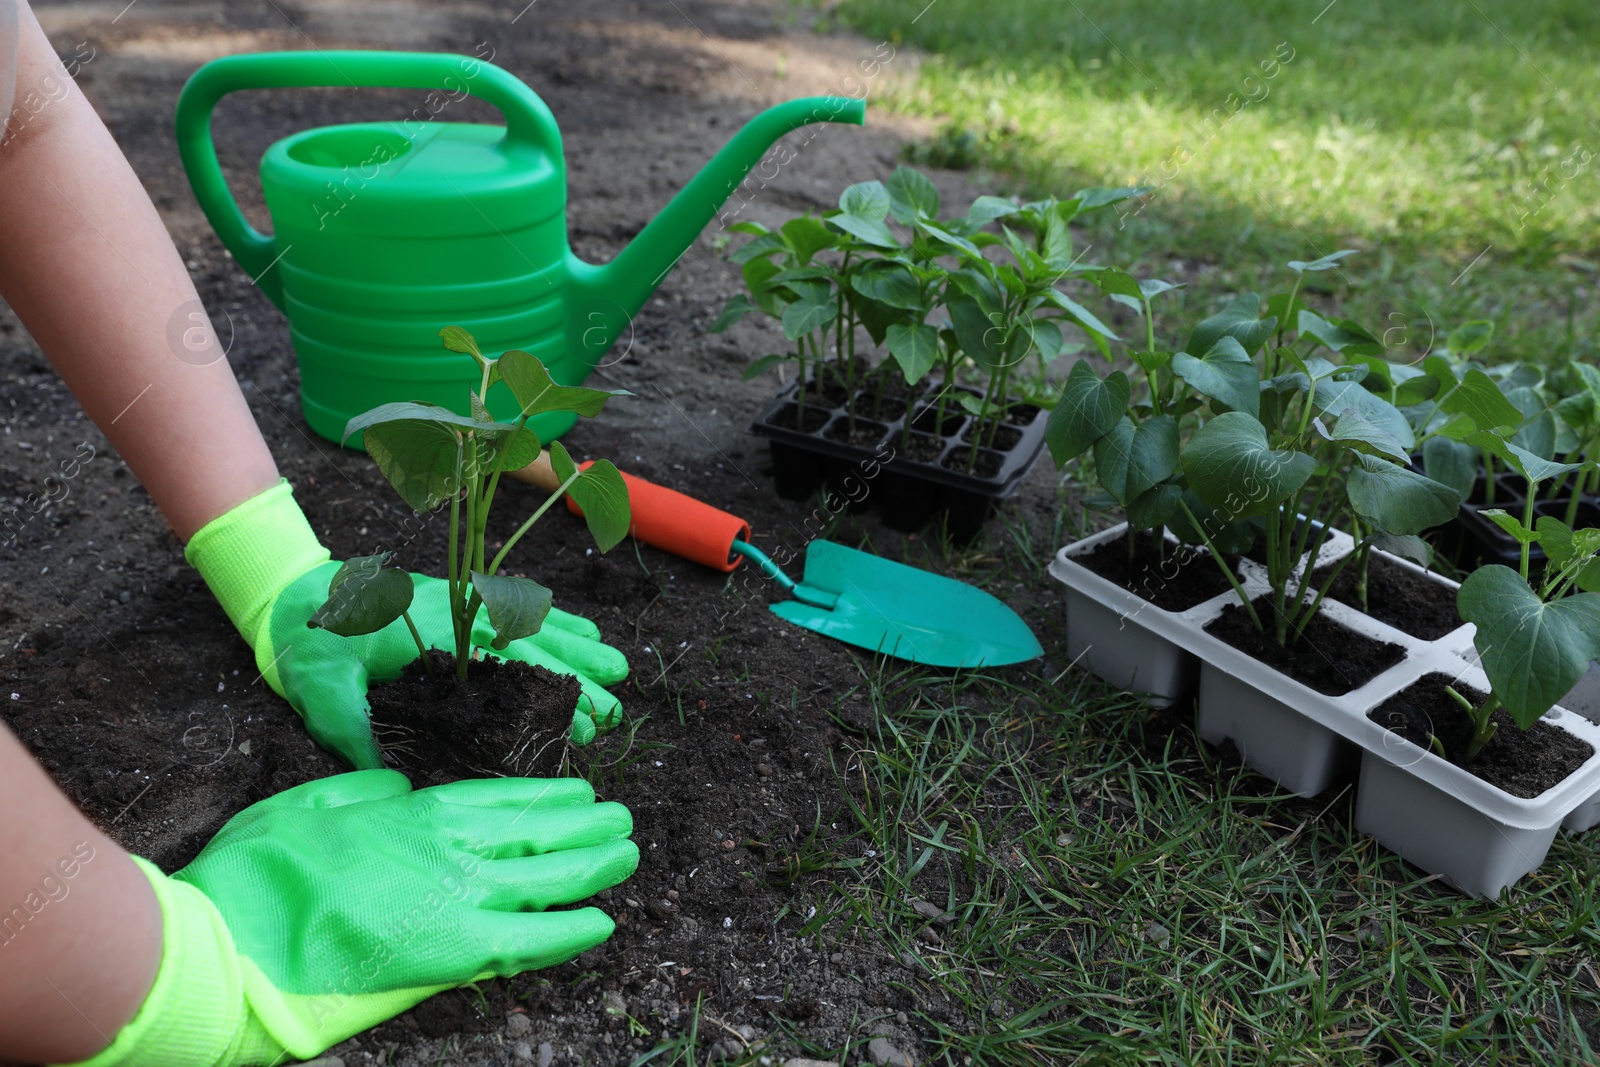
{"x": 331, "y": 907}
{"x": 270, "y": 573}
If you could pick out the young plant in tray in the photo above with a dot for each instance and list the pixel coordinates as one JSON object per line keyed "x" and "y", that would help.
{"x": 433, "y": 456}
{"x": 1317, "y": 450}
{"x": 1534, "y": 640}
{"x": 885, "y": 262}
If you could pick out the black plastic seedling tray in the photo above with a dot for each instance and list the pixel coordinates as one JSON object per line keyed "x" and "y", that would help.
{"x": 911, "y": 480}
{"x": 1470, "y": 540}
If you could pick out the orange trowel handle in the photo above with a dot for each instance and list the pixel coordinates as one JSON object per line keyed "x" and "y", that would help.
{"x": 671, "y": 521}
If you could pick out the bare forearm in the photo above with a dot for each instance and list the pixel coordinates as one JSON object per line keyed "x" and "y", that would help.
{"x": 80, "y": 930}
{"x": 89, "y": 268}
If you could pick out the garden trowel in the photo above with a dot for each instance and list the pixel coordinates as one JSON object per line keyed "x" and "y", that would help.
{"x": 846, "y": 594}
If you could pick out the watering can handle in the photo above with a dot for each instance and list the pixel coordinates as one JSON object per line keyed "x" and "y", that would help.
{"x": 528, "y": 120}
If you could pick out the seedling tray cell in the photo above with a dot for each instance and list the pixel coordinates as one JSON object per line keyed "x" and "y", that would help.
{"x": 867, "y": 469}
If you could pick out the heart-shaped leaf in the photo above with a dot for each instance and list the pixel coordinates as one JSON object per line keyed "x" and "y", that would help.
{"x": 537, "y": 392}
{"x": 1336, "y": 396}
{"x": 1157, "y": 507}
{"x": 1355, "y": 430}
{"x": 1234, "y": 469}
{"x": 1131, "y": 460}
{"x": 364, "y": 596}
{"x": 1406, "y": 546}
{"x": 1533, "y": 652}
{"x": 868, "y": 200}
{"x": 1396, "y": 499}
{"x": 517, "y": 606}
{"x": 1525, "y": 463}
{"x": 1086, "y": 411}
{"x": 1225, "y": 373}
{"x": 600, "y": 492}
{"x": 911, "y": 195}
{"x": 1478, "y": 397}
{"x": 1240, "y": 319}
{"x": 423, "y": 459}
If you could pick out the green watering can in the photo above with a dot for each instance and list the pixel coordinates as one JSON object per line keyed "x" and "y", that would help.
{"x": 384, "y": 232}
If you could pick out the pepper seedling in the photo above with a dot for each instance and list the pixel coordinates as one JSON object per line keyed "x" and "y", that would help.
{"x": 1534, "y": 643}
{"x": 432, "y": 456}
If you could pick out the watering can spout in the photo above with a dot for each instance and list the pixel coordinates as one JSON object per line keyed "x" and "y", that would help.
{"x": 607, "y": 297}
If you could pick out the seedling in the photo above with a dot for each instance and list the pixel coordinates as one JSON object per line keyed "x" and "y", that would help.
{"x": 431, "y": 456}
{"x": 1534, "y": 642}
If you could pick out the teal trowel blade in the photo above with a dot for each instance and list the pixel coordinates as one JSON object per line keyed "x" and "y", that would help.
{"x": 904, "y": 612}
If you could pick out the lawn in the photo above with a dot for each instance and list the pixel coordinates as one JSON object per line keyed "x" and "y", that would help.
{"x": 1452, "y": 141}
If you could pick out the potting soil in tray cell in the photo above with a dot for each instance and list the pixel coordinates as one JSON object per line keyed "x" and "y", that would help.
{"x": 931, "y": 470}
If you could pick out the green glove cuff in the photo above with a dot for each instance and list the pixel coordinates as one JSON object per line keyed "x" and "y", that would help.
{"x": 249, "y": 554}
{"x": 195, "y": 1014}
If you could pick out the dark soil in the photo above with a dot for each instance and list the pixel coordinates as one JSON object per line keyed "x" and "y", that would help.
{"x": 1524, "y": 764}
{"x": 985, "y": 464}
{"x": 1005, "y": 437}
{"x": 505, "y": 719}
{"x": 1021, "y": 414}
{"x": 866, "y": 435}
{"x": 1397, "y": 597}
{"x": 1328, "y": 657}
{"x": 1175, "y": 581}
{"x": 888, "y": 408}
{"x": 927, "y": 420}
{"x": 134, "y": 692}
{"x": 788, "y": 417}
{"x": 921, "y": 447}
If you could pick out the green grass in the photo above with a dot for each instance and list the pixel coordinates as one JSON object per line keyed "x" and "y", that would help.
{"x": 1424, "y": 133}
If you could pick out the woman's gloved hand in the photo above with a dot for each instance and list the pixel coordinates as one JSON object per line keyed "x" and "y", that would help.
{"x": 270, "y": 574}
{"x": 338, "y": 904}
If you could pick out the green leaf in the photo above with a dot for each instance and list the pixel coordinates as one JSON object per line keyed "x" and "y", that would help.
{"x": 911, "y": 195}
{"x": 537, "y": 392}
{"x": 457, "y": 339}
{"x": 1154, "y": 287}
{"x": 1406, "y": 546}
{"x": 1240, "y": 319}
{"x": 737, "y": 307}
{"x": 986, "y": 209}
{"x": 1115, "y": 281}
{"x": 1131, "y": 460}
{"x": 1336, "y": 397}
{"x": 1525, "y": 463}
{"x": 1470, "y": 337}
{"x": 1327, "y": 262}
{"x": 870, "y": 231}
{"x": 1086, "y": 411}
{"x": 1533, "y": 652}
{"x": 1233, "y": 468}
{"x": 1080, "y": 314}
{"x": 1354, "y": 429}
{"x": 868, "y": 200}
{"x": 915, "y": 348}
{"x": 1398, "y": 500}
{"x": 805, "y": 316}
{"x": 1044, "y": 337}
{"x": 602, "y": 494}
{"x": 806, "y": 236}
{"x": 364, "y": 596}
{"x": 422, "y": 459}
{"x": 1225, "y": 374}
{"x": 1511, "y": 525}
{"x": 519, "y": 449}
{"x": 889, "y": 283}
{"x": 1566, "y": 547}
{"x": 1451, "y": 463}
{"x": 978, "y": 335}
{"x": 1480, "y": 399}
{"x": 1098, "y": 196}
{"x": 1338, "y": 336}
{"x": 1158, "y": 507}
{"x": 766, "y": 363}
{"x": 517, "y": 606}
{"x": 760, "y": 247}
